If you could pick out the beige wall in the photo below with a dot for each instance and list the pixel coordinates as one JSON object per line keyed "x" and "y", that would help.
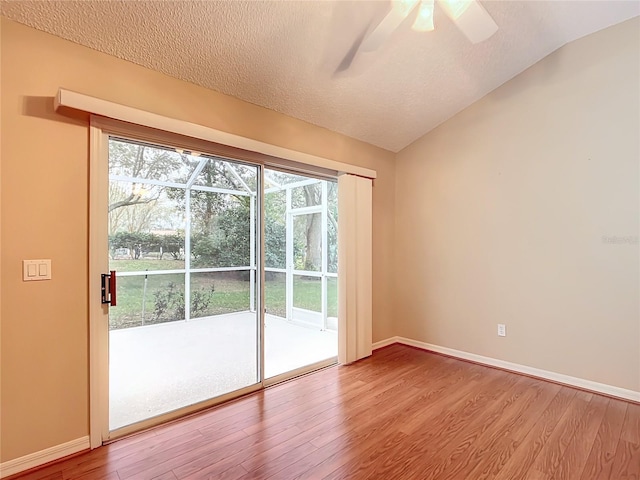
{"x": 45, "y": 215}
{"x": 502, "y": 214}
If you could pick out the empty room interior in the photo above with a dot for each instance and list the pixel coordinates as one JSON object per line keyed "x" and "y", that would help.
{"x": 320, "y": 239}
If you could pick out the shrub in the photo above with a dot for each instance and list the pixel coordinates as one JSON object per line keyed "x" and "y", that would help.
{"x": 169, "y": 303}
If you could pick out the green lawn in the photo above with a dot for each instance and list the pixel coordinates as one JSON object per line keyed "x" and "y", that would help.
{"x": 307, "y": 294}
{"x": 167, "y": 263}
{"x": 212, "y": 294}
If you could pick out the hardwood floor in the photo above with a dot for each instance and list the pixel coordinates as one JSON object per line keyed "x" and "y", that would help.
{"x": 401, "y": 414}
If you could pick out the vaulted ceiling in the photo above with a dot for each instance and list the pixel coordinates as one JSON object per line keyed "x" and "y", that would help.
{"x": 283, "y": 55}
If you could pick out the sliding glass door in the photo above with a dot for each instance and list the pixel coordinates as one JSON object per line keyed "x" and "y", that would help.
{"x": 300, "y": 272}
{"x": 190, "y": 323}
{"x": 183, "y": 240}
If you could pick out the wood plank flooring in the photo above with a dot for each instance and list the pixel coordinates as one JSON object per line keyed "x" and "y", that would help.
{"x": 401, "y": 414}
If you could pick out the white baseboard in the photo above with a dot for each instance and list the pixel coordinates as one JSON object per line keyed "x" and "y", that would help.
{"x": 384, "y": 343}
{"x": 47, "y": 455}
{"x": 515, "y": 367}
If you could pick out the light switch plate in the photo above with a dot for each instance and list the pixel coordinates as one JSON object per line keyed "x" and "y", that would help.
{"x": 36, "y": 270}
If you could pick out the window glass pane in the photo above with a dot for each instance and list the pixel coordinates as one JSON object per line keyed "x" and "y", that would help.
{"x": 307, "y": 293}
{"x": 220, "y": 173}
{"x": 153, "y": 346}
{"x": 275, "y": 296}
{"x": 305, "y": 330}
{"x": 248, "y": 175}
{"x": 332, "y": 302}
{"x": 217, "y": 293}
{"x": 159, "y": 368}
{"x": 306, "y": 196}
{"x": 146, "y": 227}
{"x": 275, "y": 206}
{"x": 307, "y": 242}
{"x": 220, "y": 230}
{"x": 147, "y": 300}
{"x": 332, "y": 227}
{"x": 276, "y": 178}
{"x": 149, "y": 162}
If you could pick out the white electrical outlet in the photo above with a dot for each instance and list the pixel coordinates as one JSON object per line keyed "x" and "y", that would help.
{"x": 502, "y": 330}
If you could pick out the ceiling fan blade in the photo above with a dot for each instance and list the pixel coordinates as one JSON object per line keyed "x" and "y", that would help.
{"x": 351, "y": 54}
{"x": 400, "y": 10}
{"x": 471, "y": 18}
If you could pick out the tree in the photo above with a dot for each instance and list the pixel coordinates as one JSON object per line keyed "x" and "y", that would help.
{"x": 235, "y": 241}
{"x": 173, "y": 244}
{"x": 139, "y": 161}
{"x": 332, "y": 227}
{"x": 308, "y": 242}
{"x": 220, "y": 222}
{"x": 136, "y": 243}
{"x": 133, "y": 205}
{"x": 205, "y": 206}
{"x": 137, "y": 216}
{"x": 275, "y": 207}
{"x": 313, "y": 236}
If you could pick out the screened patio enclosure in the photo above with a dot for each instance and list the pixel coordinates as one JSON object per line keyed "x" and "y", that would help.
{"x": 184, "y": 239}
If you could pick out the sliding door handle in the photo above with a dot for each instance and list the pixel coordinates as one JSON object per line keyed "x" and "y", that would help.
{"x": 109, "y": 288}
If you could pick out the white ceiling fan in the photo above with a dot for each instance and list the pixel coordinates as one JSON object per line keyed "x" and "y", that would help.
{"x": 468, "y": 15}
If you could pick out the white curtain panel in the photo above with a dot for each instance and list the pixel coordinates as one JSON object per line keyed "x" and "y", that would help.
{"x": 354, "y": 268}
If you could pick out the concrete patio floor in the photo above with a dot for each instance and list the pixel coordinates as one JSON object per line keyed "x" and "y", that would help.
{"x": 158, "y": 368}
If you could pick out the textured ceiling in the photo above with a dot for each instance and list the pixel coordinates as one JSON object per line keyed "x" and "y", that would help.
{"x": 282, "y": 55}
